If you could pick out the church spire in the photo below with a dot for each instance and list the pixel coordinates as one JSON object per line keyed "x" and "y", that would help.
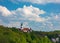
{"x": 21, "y": 25}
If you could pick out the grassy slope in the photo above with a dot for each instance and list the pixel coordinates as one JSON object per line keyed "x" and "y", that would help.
{"x": 13, "y": 35}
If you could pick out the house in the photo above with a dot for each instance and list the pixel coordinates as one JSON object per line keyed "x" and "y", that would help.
{"x": 27, "y": 30}
{"x": 55, "y": 40}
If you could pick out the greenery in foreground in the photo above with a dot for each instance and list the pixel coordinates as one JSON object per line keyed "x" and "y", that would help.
{"x": 13, "y": 35}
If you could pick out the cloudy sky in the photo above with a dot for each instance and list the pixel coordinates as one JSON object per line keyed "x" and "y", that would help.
{"x": 41, "y": 15}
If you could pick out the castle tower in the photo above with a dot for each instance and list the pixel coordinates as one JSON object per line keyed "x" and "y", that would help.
{"x": 21, "y": 25}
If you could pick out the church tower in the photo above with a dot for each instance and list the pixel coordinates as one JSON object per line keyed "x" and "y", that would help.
{"x": 21, "y": 25}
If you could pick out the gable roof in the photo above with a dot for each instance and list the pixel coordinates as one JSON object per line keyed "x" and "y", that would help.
{"x": 26, "y": 29}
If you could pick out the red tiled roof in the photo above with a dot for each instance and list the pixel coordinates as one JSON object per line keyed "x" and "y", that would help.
{"x": 26, "y": 29}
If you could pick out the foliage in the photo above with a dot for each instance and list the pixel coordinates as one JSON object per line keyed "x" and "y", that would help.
{"x": 13, "y": 35}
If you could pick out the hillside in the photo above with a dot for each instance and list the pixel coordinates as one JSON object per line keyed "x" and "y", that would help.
{"x": 13, "y": 35}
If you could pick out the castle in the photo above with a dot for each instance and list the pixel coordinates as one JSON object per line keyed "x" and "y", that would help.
{"x": 25, "y": 29}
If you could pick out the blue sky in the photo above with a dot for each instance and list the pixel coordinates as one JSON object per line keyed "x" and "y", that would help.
{"x": 40, "y": 15}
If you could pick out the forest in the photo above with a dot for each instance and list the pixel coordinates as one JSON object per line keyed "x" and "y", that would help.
{"x": 14, "y": 35}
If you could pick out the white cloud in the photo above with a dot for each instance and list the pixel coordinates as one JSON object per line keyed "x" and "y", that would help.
{"x": 1, "y": 22}
{"x": 37, "y": 1}
{"x": 13, "y": 24}
{"x": 25, "y": 24}
{"x": 27, "y": 12}
{"x": 4, "y": 11}
{"x": 55, "y": 16}
{"x": 53, "y": 23}
{"x": 30, "y": 13}
{"x": 16, "y": 24}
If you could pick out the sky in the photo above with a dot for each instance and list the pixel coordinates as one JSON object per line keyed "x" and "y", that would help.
{"x": 40, "y": 15}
